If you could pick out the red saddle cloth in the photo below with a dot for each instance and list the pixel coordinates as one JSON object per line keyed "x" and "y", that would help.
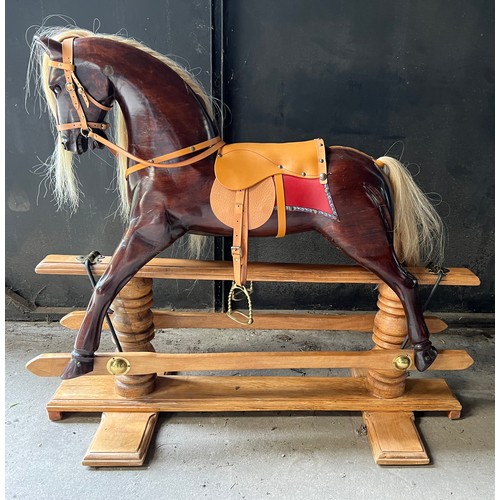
{"x": 308, "y": 195}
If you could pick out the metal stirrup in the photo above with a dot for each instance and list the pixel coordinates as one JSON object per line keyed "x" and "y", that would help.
{"x": 235, "y": 288}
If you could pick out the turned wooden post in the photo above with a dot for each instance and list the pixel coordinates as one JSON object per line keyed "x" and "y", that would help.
{"x": 133, "y": 322}
{"x": 389, "y": 332}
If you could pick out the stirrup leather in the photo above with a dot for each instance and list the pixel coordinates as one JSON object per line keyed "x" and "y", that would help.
{"x": 239, "y": 252}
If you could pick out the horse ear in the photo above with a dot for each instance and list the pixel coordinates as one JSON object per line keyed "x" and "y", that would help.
{"x": 52, "y": 47}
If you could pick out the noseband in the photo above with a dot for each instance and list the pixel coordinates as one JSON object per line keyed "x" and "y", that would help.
{"x": 206, "y": 148}
{"x": 72, "y": 83}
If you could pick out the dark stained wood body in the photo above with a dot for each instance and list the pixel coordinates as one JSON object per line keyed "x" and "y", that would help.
{"x": 162, "y": 115}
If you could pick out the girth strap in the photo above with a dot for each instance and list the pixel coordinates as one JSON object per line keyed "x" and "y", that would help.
{"x": 280, "y": 205}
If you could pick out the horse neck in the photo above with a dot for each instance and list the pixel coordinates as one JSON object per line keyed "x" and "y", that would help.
{"x": 161, "y": 112}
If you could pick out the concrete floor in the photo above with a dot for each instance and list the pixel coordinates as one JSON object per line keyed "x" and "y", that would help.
{"x": 274, "y": 455}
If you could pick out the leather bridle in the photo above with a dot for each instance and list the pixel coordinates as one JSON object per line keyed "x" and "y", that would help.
{"x": 71, "y": 86}
{"x": 86, "y": 127}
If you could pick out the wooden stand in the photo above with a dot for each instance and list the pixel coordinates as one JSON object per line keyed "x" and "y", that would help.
{"x": 133, "y": 322}
{"x": 123, "y": 439}
{"x": 394, "y": 439}
{"x": 131, "y": 403}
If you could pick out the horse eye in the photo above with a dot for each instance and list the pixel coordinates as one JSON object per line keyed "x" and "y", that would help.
{"x": 56, "y": 89}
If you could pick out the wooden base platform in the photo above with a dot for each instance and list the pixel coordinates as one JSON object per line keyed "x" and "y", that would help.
{"x": 127, "y": 424}
{"x": 212, "y": 393}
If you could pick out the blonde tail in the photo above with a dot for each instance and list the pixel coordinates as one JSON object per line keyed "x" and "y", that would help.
{"x": 419, "y": 234}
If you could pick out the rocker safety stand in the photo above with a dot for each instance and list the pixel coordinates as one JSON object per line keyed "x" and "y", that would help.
{"x": 132, "y": 387}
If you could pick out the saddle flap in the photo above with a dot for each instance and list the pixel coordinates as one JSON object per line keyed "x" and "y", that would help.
{"x": 241, "y": 165}
{"x": 260, "y": 203}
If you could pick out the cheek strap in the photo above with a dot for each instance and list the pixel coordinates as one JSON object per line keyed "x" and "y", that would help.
{"x": 76, "y": 89}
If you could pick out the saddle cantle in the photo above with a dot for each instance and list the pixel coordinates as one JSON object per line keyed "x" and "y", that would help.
{"x": 250, "y": 183}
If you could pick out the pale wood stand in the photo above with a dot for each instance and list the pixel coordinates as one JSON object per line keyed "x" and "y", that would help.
{"x": 131, "y": 403}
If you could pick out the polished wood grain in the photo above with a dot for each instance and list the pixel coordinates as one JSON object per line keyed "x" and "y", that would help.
{"x": 121, "y": 440}
{"x": 133, "y": 321}
{"x": 168, "y": 203}
{"x": 212, "y": 393}
{"x": 165, "y": 268}
{"x": 389, "y": 332}
{"x": 52, "y": 365}
{"x": 263, "y": 320}
{"x": 394, "y": 439}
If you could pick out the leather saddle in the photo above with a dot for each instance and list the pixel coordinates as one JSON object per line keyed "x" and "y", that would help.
{"x": 249, "y": 184}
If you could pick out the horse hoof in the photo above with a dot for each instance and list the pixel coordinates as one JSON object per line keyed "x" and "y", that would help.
{"x": 77, "y": 367}
{"x": 424, "y": 356}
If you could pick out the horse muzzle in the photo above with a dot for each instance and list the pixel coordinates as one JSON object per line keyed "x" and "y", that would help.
{"x": 74, "y": 142}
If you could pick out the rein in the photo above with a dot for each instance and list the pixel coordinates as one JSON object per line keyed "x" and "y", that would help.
{"x": 213, "y": 145}
{"x": 209, "y": 146}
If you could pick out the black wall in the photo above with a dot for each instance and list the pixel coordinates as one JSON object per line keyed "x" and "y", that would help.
{"x": 375, "y": 75}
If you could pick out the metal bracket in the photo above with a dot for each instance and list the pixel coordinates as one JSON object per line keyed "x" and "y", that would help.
{"x": 88, "y": 261}
{"x": 92, "y": 257}
{"x": 435, "y": 269}
{"x": 440, "y": 272}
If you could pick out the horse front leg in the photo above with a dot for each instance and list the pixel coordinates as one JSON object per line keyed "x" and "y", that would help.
{"x": 146, "y": 237}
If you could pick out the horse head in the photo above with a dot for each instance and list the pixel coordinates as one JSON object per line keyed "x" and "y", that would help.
{"x": 82, "y": 94}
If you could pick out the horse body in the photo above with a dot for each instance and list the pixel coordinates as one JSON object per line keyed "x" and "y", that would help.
{"x": 163, "y": 114}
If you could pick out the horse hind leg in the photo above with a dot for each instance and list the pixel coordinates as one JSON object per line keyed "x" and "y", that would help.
{"x": 145, "y": 238}
{"x": 365, "y": 238}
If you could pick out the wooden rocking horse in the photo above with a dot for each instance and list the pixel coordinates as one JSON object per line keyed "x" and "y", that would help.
{"x": 370, "y": 209}
{"x": 176, "y": 176}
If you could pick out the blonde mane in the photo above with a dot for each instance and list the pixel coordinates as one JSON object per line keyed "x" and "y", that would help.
{"x": 59, "y": 169}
